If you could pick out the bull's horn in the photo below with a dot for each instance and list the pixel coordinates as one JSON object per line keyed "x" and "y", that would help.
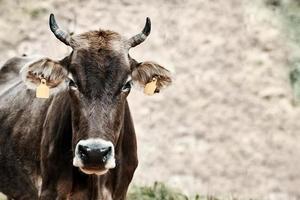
{"x": 141, "y": 37}
{"x": 59, "y": 33}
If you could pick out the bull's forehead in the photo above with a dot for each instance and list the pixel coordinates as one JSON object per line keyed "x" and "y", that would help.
{"x": 102, "y": 39}
{"x": 100, "y": 60}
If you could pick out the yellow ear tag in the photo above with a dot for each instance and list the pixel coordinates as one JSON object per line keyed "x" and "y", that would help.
{"x": 150, "y": 87}
{"x": 42, "y": 91}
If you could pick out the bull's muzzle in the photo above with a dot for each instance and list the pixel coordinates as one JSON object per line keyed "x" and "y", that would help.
{"x": 94, "y": 156}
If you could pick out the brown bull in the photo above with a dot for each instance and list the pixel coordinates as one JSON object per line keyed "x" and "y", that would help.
{"x": 80, "y": 143}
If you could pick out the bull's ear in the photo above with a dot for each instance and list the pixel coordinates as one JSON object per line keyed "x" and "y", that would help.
{"x": 145, "y": 72}
{"x": 44, "y": 68}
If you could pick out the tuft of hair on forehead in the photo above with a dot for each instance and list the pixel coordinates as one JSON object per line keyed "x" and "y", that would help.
{"x": 96, "y": 39}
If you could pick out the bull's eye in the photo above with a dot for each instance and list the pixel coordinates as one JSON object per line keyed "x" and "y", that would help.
{"x": 72, "y": 85}
{"x": 127, "y": 86}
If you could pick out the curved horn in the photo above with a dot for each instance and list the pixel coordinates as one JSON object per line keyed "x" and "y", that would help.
{"x": 59, "y": 33}
{"x": 141, "y": 37}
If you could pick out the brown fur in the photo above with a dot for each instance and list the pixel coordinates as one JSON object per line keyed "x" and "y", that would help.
{"x": 95, "y": 39}
{"x": 48, "y": 69}
{"x": 146, "y": 71}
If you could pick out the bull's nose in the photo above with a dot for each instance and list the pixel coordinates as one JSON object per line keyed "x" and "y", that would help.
{"x": 94, "y": 155}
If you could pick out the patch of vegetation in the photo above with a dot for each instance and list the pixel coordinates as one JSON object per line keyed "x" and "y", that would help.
{"x": 295, "y": 80}
{"x": 160, "y": 191}
{"x": 273, "y": 2}
{"x": 289, "y": 13}
{"x": 34, "y": 12}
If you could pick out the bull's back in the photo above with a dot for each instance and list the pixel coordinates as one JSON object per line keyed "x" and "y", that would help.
{"x": 9, "y": 72}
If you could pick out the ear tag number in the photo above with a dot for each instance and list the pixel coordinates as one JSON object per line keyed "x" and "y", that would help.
{"x": 150, "y": 87}
{"x": 42, "y": 91}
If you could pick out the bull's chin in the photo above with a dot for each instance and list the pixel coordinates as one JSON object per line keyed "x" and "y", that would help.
{"x": 90, "y": 171}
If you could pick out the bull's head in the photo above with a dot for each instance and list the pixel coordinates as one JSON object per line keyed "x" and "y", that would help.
{"x": 98, "y": 74}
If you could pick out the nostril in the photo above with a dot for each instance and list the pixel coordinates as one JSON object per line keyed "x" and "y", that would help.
{"x": 82, "y": 150}
{"x": 105, "y": 151}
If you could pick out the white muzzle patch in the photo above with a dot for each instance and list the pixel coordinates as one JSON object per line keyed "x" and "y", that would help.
{"x": 92, "y": 144}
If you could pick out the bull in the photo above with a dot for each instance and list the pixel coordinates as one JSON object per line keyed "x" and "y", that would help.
{"x": 79, "y": 143}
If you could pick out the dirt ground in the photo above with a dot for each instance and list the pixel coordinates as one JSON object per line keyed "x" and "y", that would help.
{"x": 228, "y": 125}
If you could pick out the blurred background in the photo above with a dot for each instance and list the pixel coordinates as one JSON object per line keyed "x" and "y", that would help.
{"x": 229, "y": 124}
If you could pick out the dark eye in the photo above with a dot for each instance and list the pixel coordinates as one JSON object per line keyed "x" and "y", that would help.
{"x": 72, "y": 85}
{"x": 127, "y": 86}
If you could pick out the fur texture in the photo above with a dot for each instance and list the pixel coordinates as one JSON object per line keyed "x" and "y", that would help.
{"x": 146, "y": 71}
